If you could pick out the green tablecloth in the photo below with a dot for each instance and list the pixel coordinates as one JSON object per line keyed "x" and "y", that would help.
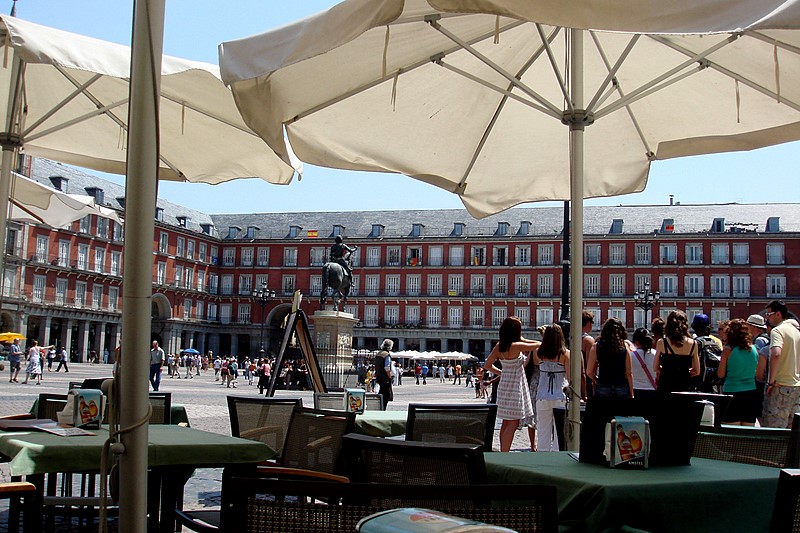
{"x": 177, "y": 413}
{"x": 168, "y": 445}
{"x": 706, "y": 496}
{"x": 382, "y": 423}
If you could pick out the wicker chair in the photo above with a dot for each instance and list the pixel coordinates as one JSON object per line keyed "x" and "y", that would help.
{"x": 786, "y": 512}
{"x": 161, "y": 404}
{"x": 49, "y": 405}
{"x": 262, "y": 419}
{"x": 252, "y": 504}
{"x": 21, "y": 495}
{"x": 778, "y": 448}
{"x": 314, "y": 439}
{"x": 378, "y": 460}
{"x": 469, "y": 424}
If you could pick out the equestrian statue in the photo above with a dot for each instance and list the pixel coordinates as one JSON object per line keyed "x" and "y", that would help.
{"x": 337, "y": 274}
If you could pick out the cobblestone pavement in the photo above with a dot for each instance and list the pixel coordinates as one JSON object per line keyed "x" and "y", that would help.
{"x": 206, "y": 407}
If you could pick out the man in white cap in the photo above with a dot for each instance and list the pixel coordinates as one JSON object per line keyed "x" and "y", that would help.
{"x": 758, "y": 330}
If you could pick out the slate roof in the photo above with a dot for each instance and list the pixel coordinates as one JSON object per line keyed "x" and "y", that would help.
{"x": 544, "y": 221}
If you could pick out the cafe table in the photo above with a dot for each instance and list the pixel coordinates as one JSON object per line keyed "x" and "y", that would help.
{"x": 382, "y": 423}
{"x": 707, "y": 495}
{"x": 173, "y": 454}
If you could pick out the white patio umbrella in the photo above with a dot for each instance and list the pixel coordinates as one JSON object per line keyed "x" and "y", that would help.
{"x": 489, "y": 99}
{"x": 75, "y": 99}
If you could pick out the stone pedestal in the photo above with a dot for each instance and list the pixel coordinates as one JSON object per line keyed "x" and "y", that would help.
{"x": 333, "y": 340}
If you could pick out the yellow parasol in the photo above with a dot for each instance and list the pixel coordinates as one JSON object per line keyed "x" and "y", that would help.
{"x": 9, "y": 336}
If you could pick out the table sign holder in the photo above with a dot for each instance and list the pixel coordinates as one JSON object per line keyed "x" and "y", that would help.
{"x": 628, "y": 442}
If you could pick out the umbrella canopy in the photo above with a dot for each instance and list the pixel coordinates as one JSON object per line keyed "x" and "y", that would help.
{"x": 9, "y": 336}
{"x": 511, "y": 101}
{"x": 191, "y": 351}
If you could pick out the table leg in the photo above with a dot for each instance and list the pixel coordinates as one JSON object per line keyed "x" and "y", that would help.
{"x": 154, "y": 485}
{"x": 173, "y": 480}
{"x": 33, "y": 515}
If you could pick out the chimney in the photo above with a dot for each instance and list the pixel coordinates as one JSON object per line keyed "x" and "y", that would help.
{"x": 671, "y": 199}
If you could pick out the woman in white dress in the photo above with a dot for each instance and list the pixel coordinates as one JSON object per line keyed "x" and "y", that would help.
{"x": 513, "y": 396}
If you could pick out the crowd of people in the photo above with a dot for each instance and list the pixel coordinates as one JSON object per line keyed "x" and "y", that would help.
{"x": 755, "y": 360}
{"x": 34, "y": 360}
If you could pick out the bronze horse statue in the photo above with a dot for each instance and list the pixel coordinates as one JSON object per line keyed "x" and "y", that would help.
{"x": 335, "y": 278}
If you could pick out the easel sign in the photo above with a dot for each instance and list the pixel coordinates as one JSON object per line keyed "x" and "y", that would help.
{"x": 297, "y": 324}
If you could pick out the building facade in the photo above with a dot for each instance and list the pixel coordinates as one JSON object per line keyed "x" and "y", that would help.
{"x": 430, "y": 280}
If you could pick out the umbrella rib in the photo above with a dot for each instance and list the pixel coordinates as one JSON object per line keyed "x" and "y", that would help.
{"x": 628, "y": 100}
{"x": 780, "y": 44}
{"x": 61, "y": 104}
{"x": 612, "y": 71}
{"x": 657, "y": 81}
{"x": 738, "y": 77}
{"x": 100, "y": 111}
{"x": 489, "y": 63}
{"x": 559, "y": 77}
{"x": 219, "y": 119}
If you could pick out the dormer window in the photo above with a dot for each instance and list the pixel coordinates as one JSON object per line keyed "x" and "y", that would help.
{"x": 206, "y": 228}
{"x": 524, "y": 228}
{"x": 416, "y": 230}
{"x": 773, "y": 225}
{"x": 294, "y": 232}
{"x": 59, "y": 183}
{"x": 338, "y": 229}
{"x": 183, "y": 221}
{"x": 718, "y": 226}
{"x": 616, "y": 226}
{"x": 668, "y": 225}
{"x": 377, "y": 231}
{"x": 160, "y": 214}
{"x": 251, "y": 232}
{"x": 502, "y": 229}
{"x": 96, "y": 193}
{"x": 458, "y": 229}
{"x": 121, "y": 201}
{"x": 233, "y": 231}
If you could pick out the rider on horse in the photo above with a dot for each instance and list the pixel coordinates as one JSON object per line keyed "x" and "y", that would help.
{"x": 340, "y": 253}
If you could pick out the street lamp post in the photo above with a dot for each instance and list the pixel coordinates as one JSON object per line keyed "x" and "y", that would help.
{"x": 646, "y": 300}
{"x": 263, "y": 296}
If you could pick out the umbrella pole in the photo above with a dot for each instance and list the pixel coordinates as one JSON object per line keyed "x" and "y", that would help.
{"x": 576, "y": 125}
{"x": 137, "y": 287}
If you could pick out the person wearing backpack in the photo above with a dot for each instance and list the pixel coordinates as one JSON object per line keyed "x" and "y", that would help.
{"x": 710, "y": 354}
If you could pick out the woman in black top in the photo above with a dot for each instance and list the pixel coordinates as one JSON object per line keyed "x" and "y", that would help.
{"x": 676, "y": 355}
{"x": 609, "y": 362}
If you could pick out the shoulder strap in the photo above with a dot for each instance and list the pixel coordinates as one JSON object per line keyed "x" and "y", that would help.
{"x": 667, "y": 346}
{"x": 646, "y": 370}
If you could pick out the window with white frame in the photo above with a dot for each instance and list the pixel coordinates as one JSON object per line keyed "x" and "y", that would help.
{"x": 616, "y": 254}
{"x": 591, "y": 285}
{"x": 456, "y": 256}
{"x": 477, "y": 256}
{"x": 775, "y": 253}
{"x": 720, "y": 286}
{"x": 598, "y": 323}
{"x": 245, "y": 284}
{"x": 668, "y": 285}
{"x": 290, "y": 257}
{"x": 161, "y": 273}
{"x": 287, "y": 284}
{"x": 669, "y": 253}
{"x": 524, "y": 315}
{"x": 318, "y": 256}
{"x": 477, "y": 284}
{"x": 434, "y": 284}
{"x": 244, "y": 313}
{"x": 522, "y": 255}
{"x": 263, "y": 256}
{"x": 719, "y": 314}
{"x": 694, "y": 254}
{"x": 247, "y": 257}
{"x": 414, "y": 256}
{"x": 741, "y": 286}
{"x": 201, "y": 280}
{"x": 642, "y": 252}
{"x": 229, "y": 257}
{"x": 189, "y": 282}
{"x": 198, "y": 309}
{"x": 61, "y": 291}
{"x": 618, "y": 312}
{"x": 641, "y": 282}
{"x": 113, "y": 298}
{"x": 544, "y": 316}
{"x": 412, "y": 315}
{"x": 433, "y": 316}
{"x": 97, "y": 296}
{"x": 178, "y": 276}
{"x": 522, "y": 282}
{"x": 436, "y": 256}
{"x": 498, "y": 315}
{"x": 225, "y": 313}
{"x": 373, "y": 285}
{"x": 63, "y": 253}
{"x": 187, "y": 308}
{"x": 545, "y": 254}
{"x": 315, "y": 287}
{"x": 413, "y": 284}
{"x": 741, "y": 253}
{"x": 776, "y": 286}
{"x": 591, "y": 254}
{"x": 116, "y": 263}
{"x": 102, "y": 227}
{"x": 391, "y": 315}
{"x": 719, "y": 253}
{"x": 80, "y": 293}
{"x": 189, "y": 249}
{"x": 500, "y": 285}
{"x": 42, "y": 244}
{"x": 163, "y": 242}
{"x": 39, "y": 284}
{"x": 616, "y": 285}
{"x": 85, "y": 224}
{"x": 180, "y": 247}
{"x": 393, "y": 285}
{"x": 454, "y": 317}
{"x": 213, "y": 283}
{"x": 83, "y": 257}
{"x": 355, "y": 257}
{"x": 355, "y": 284}
{"x": 117, "y": 233}
{"x": 455, "y": 284}
{"x": 373, "y": 256}
{"x": 544, "y": 284}
{"x": 693, "y": 285}
{"x": 393, "y": 256}
{"x": 640, "y": 318}
{"x": 663, "y": 312}
{"x": 99, "y": 259}
{"x": 202, "y": 250}
{"x": 212, "y": 311}
{"x": 476, "y": 316}
{"x": 500, "y": 256}
{"x": 227, "y": 284}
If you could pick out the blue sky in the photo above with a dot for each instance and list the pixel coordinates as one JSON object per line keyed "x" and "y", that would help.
{"x": 194, "y": 28}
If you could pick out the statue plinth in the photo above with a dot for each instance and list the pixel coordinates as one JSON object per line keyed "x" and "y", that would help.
{"x": 333, "y": 336}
